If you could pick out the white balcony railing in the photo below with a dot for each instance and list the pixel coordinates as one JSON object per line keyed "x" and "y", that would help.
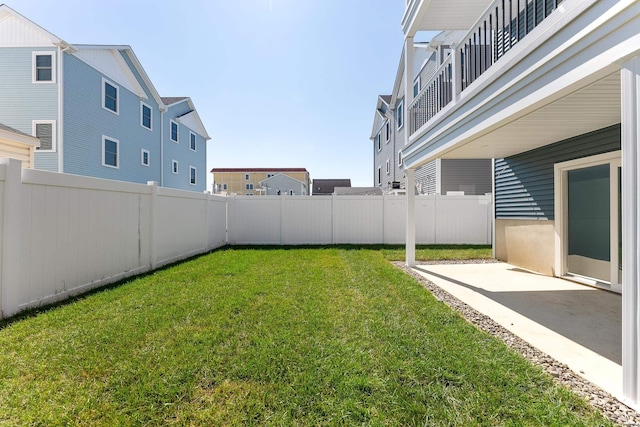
{"x": 501, "y": 27}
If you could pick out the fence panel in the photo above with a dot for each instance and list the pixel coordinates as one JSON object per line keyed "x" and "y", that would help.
{"x": 307, "y": 219}
{"x": 256, "y": 220}
{"x": 358, "y": 219}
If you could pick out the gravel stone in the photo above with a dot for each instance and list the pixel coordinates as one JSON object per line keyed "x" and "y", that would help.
{"x": 607, "y": 404}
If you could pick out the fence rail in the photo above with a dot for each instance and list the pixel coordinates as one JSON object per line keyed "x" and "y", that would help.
{"x": 61, "y": 235}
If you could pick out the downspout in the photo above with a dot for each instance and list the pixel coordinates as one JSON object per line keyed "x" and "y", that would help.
{"x": 60, "y": 126}
{"x": 163, "y": 108}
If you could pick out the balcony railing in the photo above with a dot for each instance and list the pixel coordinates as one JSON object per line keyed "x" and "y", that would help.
{"x": 502, "y": 26}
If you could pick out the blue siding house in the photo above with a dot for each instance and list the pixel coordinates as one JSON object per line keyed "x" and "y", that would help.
{"x": 95, "y": 110}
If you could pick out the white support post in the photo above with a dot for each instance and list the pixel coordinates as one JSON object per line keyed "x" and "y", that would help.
{"x": 409, "y": 53}
{"x": 410, "y": 240}
{"x": 630, "y": 78}
{"x": 456, "y": 84}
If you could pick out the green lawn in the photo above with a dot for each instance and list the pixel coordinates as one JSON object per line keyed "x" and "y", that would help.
{"x": 332, "y": 336}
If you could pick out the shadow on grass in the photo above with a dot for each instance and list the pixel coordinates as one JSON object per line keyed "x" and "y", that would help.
{"x": 33, "y": 312}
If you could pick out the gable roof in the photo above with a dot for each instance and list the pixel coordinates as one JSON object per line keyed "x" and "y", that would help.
{"x": 327, "y": 186}
{"x": 191, "y": 119}
{"x": 170, "y": 100}
{"x": 12, "y": 134}
{"x": 19, "y": 31}
{"x": 379, "y": 118}
{"x": 280, "y": 176}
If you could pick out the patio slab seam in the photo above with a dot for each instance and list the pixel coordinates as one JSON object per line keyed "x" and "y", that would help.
{"x": 609, "y": 405}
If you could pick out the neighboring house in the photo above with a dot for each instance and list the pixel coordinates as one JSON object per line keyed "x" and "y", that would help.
{"x": 471, "y": 176}
{"x": 258, "y": 182}
{"x": 95, "y": 110}
{"x": 326, "y": 187}
{"x": 281, "y": 184}
{"x": 551, "y": 89}
{"x": 18, "y": 145}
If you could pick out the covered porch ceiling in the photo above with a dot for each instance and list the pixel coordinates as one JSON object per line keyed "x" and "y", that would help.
{"x": 441, "y": 15}
{"x": 588, "y": 109}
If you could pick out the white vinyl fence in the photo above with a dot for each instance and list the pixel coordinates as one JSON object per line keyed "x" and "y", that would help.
{"x": 61, "y": 235}
{"x": 296, "y": 220}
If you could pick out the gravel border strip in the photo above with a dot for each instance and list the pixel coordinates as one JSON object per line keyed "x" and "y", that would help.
{"x": 601, "y": 400}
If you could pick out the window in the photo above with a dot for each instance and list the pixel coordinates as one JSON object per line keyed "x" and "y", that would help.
{"x": 400, "y": 115}
{"x": 225, "y": 187}
{"x": 378, "y": 142}
{"x": 174, "y": 166}
{"x": 249, "y": 194}
{"x": 248, "y": 187}
{"x": 45, "y": 130}
{"x": 192, "y": 175}
{"x": 144, "y": 157}
{"x": 416, "y": 87}
{"x": 379, "y": 175}
{"x": 192, "y": 141}
{"x": 399, "y": 158}
{"x": 269, "y": 175}
{"x": 43, "y": 67}
{"x": 110, "y": 152}
{"x": 110, "y": 96}
{"x": 145, "y": 116}
{"x": 173, "y": 128}
{"x": 388, "y": 168}
{"x": 246, "y": 177}
{"x": 387, "y": 131}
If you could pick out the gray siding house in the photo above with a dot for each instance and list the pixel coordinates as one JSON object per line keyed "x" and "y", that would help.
{"x": 470, "y": 176}
{"x": 282, "y": 184}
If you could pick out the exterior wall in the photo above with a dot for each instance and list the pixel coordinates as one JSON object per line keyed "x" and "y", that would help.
{"x": 18, "y": 151}
{"x": 526, "y": 243}
{"x": 524, "y": 182}
{"x": 473, "y": 176}
{"x": 23, "y": 101}
{"x": 525, "y": 229}
{"x": 86, "y": 121}
{"x": 182, "y": 153}
{"x": 426, "y": 178}
{"x": 236, "y": 182}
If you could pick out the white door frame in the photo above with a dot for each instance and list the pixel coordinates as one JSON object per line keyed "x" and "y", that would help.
{"x": 561, "y": 214}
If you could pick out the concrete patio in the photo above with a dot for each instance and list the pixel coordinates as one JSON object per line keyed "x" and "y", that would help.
{"x": 575, "y": 324}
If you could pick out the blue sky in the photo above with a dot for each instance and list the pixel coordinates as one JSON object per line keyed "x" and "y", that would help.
{"x": 277, "y": 83}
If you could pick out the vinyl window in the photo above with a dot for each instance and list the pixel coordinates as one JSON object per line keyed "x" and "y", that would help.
{"x": 110, "y": 152}
{"x": 173, "y": 129}
{"x": 192, "y": 175}
{"x": 400, "y": 115}
{"x": 110, "y": 96}
{"x": 44, "y": 70}
{"x": 192, "y": 141}
{"x": 144, "y": 157}
{"x": 145, "y": 116}
{"x": 45, "y": 130}
{"x": 174, "y": 166}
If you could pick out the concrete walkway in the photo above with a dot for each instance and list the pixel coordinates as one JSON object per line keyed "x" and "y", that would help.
{"x": 576, "y": 325}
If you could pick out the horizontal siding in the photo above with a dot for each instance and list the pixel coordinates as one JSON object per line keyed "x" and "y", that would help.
{"x": 426, "y": 178}
{"x": 473, "y": 176}
{"x": 524, "y": 182}
{"x": 23, "y": 101}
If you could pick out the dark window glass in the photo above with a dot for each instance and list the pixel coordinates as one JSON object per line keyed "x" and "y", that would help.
{"x": 146, "y": 117}
{"x": 193, "y": 142}
{"x": 145, "y": 158}
{"x": 110, "y": 153}
{"x": 44, "y": 131}
{"x": 44, "y": 69}
{"x": 174, "y": 131}
{"x": 193, "y": 176}
{"x": 110, "y": 97}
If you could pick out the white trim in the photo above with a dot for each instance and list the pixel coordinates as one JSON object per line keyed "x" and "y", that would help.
{"x": 387, "y": 130}
{"x": 379, "y": 142}
{"x": 34, "y": 54}
{"x": 104, "y": 89}
{"x": 194, "y": 170}
{"x": 142, "y": 105}
{"x": 175, "y": 167}
{"x": 117, "y": 166}
{"x": 54, "y": 135}
{"x": 193, "y": 136}
{"x": 171, "y": 123}
{"x": 417, "y": 81}
{"x": 400, "y": 115}
{"x": 388, "y": 168}
{"x": 142, "y": 153}
{"x": 560, "y": 172}
{"x": 379, "y": 175}
{"x": 399, "y": 157}
{"x": 249, "y": 186}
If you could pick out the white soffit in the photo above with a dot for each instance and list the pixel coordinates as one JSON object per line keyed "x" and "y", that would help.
{"x": 440, "y": 15}
{"x": 110, "y": 63}
{"x": 591, "y": 108}
{"x": 193, "y": 122}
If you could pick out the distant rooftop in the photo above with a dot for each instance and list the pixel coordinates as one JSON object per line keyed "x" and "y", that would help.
{"x": 173, "y": 99}
{"x": 386, "y": 98}
{"x": 358, "y": 191}
{"x": 220, "y": 170}
{"x": 327, "y": 186}
{"x": 12, "y": 130}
